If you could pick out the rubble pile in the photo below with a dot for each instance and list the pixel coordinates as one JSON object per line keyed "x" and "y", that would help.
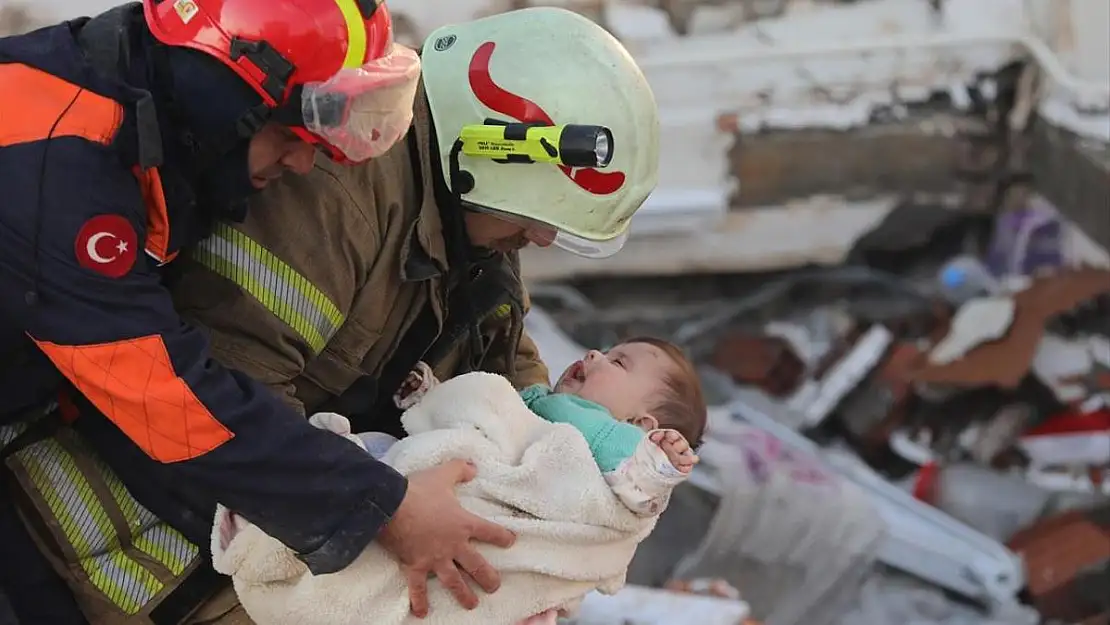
{"x": 926, "y": 445}
{"x": 994, "y": 407}
{"x": 997, "y": 413}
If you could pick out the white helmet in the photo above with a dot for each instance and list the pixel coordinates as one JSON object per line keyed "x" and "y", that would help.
{"x": 518, "y": 98}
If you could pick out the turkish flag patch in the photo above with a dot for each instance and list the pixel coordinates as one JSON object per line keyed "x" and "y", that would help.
{"x": 107, "y": 244}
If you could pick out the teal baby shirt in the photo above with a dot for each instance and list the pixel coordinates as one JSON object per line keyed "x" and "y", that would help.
{"x": 611, "y": 441}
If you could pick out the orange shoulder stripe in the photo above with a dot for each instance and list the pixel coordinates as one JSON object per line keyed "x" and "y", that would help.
{"x": 157, "y": 217}
{"x": 33, "y": 102}
{"x": 133, "y": 383}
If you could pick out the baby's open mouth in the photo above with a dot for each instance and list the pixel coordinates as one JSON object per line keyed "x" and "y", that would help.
{"x": 577, "y": 372}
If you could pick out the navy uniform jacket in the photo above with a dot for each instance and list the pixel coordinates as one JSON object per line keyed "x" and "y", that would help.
{"x": 84, "y": 233}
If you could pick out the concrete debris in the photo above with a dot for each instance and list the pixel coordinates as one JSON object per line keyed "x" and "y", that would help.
{"x": 1006, "y": 409}
{"x": 1068, "y": 368}
{"x": 709, "y": 587}
{"x": 894, "y": 599}
{"x": 996, "y": 503}
{"x": 638, "y": 605}
{"x": 788, "y": 531}
{"x": 843, "y": 376}
{"x": 881, "y": 403}
{"x": 909, "y": 228}
{"x": 987, "y": 443}
{"x": 901, "y": 440}
{"x": 978, "y": 321}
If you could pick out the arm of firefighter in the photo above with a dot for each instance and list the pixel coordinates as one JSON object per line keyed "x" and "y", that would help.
{"x": 530, "y": 368}
{"x": 273, "y": 290}
{"x": 107, "y": 323}
{"x": 242, "y": 334}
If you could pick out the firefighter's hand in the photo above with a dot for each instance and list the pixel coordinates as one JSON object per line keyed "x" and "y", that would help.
{"x": 431, "y": 534}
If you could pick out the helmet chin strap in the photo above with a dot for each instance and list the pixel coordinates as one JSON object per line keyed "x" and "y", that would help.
{"x": 214, "y": 150}
{"x": 454, "y": 231}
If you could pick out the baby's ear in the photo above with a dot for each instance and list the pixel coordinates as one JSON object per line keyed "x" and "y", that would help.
{"x": 645, "y": 421}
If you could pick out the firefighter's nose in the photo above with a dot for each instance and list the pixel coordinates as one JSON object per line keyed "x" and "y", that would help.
{"x": 299, "y": 157}
{"x": 542, "y": 237}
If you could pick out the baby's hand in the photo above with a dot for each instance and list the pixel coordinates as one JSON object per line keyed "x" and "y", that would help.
{"x": 412, "y": 383}
{"x": 417, "y": 384}
{"x": 677, "y": 449}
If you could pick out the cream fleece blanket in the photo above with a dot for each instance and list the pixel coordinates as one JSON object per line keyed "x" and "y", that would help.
{"x": 536, "y": 478}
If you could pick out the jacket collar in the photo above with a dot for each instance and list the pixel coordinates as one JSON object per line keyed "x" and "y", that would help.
{"x": 425, "y": 249}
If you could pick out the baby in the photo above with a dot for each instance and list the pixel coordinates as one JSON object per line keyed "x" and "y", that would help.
{"x": 639, "y": 405}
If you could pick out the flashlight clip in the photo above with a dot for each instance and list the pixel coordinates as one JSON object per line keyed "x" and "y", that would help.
{"x": 566, "y": 145}
{"x": 518, "y": 131}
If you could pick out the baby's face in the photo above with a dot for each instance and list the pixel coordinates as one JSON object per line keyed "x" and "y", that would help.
{"x": 626, "y": 380}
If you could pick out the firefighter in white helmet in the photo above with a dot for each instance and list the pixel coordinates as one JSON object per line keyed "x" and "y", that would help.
{"x": 532, "y": 126}
{"x": 549, "y": 69}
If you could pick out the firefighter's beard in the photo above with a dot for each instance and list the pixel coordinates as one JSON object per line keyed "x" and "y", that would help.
{"x": 226, "y": 182}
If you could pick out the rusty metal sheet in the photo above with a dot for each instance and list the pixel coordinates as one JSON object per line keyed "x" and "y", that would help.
{"x": 1064, "y": 556}
{"x": 763, "y": 361}
{"x": 1006, "y": 362}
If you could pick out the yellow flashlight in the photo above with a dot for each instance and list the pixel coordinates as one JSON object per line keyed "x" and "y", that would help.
{"x": 574, "y": 145}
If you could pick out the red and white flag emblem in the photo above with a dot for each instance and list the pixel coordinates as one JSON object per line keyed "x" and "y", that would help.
{"x": 107, "y": 244}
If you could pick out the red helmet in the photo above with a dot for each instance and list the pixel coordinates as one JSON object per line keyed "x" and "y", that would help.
{"x": 329, "y": 67}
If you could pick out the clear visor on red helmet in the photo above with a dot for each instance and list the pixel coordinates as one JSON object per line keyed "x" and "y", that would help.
{"x": 362, "y": 112}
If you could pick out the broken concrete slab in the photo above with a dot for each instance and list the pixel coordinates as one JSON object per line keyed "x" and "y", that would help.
{"x": 978, "y": 321}
{"x": 1075, "y": 175}
{"x": 639, "y": 605}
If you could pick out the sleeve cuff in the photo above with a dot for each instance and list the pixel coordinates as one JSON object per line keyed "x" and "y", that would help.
{"x": 534, "y": 392}
{"x": 361, "y": 525}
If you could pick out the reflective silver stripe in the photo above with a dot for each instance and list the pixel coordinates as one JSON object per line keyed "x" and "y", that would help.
{"x": 9, "y": 432}
{"x": 107, "y": 558}
{"x": 278, "y": 287}
{"x": 149, "y": 534}
{"x": 168, "y": 546}
{"x": 86, "y": 527}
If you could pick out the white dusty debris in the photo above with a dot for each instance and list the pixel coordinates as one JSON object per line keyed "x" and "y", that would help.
{"x": 637, "y": 605}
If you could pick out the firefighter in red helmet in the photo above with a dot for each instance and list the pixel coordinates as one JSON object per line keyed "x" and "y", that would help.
{"x": 123, "y": 138}
{"x": 326, "y": 69}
